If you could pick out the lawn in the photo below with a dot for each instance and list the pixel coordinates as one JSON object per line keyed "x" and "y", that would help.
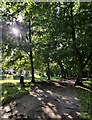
{"x": 85, "y": 97}
{"x": 11, "y": 89}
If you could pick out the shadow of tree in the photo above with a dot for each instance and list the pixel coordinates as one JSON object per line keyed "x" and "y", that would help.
{"x": 12, "y": 91}
{"x": 51, "y": 101}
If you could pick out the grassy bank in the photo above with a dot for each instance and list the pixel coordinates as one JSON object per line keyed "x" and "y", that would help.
{"x": 85, "y": 97}
{"x": 11, "y": 89}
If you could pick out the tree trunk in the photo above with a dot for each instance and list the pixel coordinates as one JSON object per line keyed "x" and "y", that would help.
{"x": 80, "y": 68}
{"x": 80, "y": 59}
{"x": 21, "y": 80}
{"x": 79, "y": 79}
{"x": 48, "y": 70}
{"x": 78, "y": 54}
{"x": 31, "y": 55}
{"x": 63, "y": 73}
{"x": 32, "y": 67}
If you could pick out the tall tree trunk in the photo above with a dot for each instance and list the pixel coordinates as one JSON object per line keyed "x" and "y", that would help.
{"x": 31, "y": 54}
{"x": 79, "y": 62}
{"x": 32, "y": 67}
{"x": 48, "y": 70}
{"x": 21, "y": 79}
{"x": 63, "y": 73}
{"x": 80, "y": 67}
{"x": 79, "y": 77}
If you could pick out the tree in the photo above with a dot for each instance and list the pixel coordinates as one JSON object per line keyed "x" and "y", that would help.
{"x": 54, "y": 33}
{"x": 26, "y": 37}
{"x": 80, "y": 43}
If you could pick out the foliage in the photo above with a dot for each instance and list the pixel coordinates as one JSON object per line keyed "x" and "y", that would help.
{"x": 60, "y": 33}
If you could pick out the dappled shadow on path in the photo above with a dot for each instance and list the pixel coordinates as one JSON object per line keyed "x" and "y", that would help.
{"x": 50, "y": 101}
{"x": 55, "y": 102}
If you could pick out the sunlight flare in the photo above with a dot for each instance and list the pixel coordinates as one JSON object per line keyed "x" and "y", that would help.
{"x": 15, "y": 31}
{"x": 20, "y": 18}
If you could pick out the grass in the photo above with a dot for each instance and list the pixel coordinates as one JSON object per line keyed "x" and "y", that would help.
{"x": 88, "y": 83}
{"x": 85, "y": 100}
{"x": 37, "y": 77}
{"x": 11, "y": 89}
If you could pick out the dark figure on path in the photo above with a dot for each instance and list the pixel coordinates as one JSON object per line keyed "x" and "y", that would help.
{"x": 22, "y": 77}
